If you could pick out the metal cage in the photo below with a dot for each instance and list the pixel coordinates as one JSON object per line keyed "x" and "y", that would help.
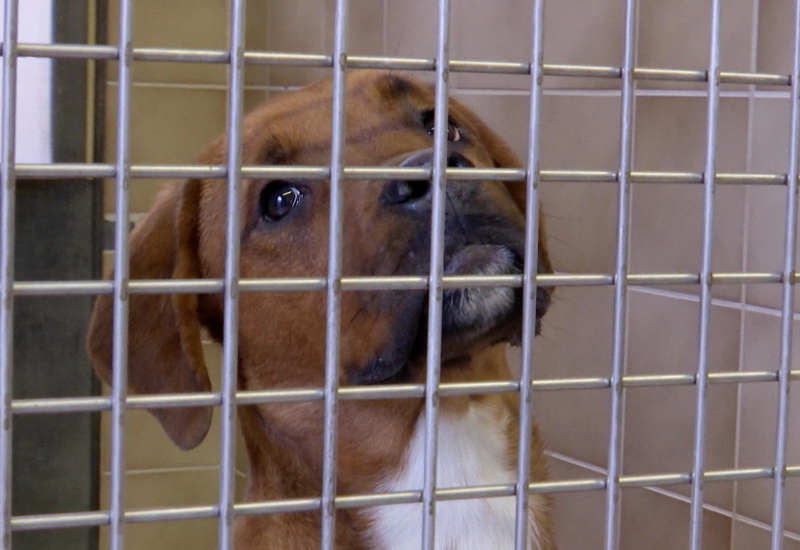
{"x": 627, "y": 79}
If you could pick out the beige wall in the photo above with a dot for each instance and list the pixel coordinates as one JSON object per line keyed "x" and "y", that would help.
{"x": 179, "y": 108}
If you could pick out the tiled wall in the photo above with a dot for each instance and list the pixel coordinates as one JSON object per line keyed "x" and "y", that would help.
{"x": 179, "y": 108}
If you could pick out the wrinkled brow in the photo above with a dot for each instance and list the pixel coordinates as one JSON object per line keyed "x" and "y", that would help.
{"x": 274, "y": 151}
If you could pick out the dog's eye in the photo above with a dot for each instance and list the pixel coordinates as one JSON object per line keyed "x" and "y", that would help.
{"x": 453, "y": 133}
{"x": 277, "y": 200}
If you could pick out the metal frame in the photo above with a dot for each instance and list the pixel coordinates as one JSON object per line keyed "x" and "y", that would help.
{"x": 698, "y": 465}
{"x": 333, "y": 284}
{"x": 7, "y": 204}
{"x": 787, "y": 306}
{"x": 435, "y": 282}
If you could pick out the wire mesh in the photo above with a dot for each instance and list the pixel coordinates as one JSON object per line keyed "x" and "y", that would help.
{"x": 334, "y": 284}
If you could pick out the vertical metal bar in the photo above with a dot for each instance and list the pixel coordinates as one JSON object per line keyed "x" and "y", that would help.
{"x": 119, "y": 386}
{"x": 8, "y": 111}
{"x": 620, "y": 286}
{"x": 435, "y": 291}
{"x": 231, "y": 277}
{"x": 787, "y": 306}
{"x": 334, "y": 290}
{"x": 698, "y": 463}
{"x": 529, "y": 279}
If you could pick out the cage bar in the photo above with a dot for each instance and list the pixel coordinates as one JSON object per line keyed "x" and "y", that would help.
{"x": 698, "y": 463}
{"x": 435, "y": 290}
{"x": 522, "y": 522}
{"x": 149, "y": 515}
{"x": 306, "y": 284}
{"x": 333, "y": 284}
{"x": 7, "y": 217}
{"x": 59, "y": 405}
{"x": 185, "y": 55}
{"x": 334, "y": 276}
{"x": 231, "y": 276}
{"x": 119, "y": 385}
{"x": 615, "y": 442}
{"x": 99, "y": 170}
{"x": 787, "y": 304}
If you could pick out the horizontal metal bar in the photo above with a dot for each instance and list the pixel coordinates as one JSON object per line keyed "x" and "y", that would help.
{"x": 568, "y": 486}
{"x": 490, "y": 67}
{"x": 642, "y": 279}
{"x": 171, "y": 514}
{"x": 62, "y": 288}
{"x": 575, "y": 280}
{"x": 59, "y": 521}
{"x": 277, "y": 506}
{"x": 751, "y": 179}
{"x": 294, "y": 59}
{"x": 97, "y": 170}
{"x": 369, "y": 283}
{"x": 486, "y": 491}
{"x": 185, "y": 55}
{"x": 678, "y": 75}
{"x": 761, "y": 79}
{"x": 739, "y": 475}
{"x": 742, "y": 377}
{"x": 577, "y": 176}
{"x": 181, "y": 55}
{"x": 68, "y": 51}
{"x": 746, "y": 278}
{"x": 99, "y": 518}
{"x": 588, "y": 71}
{"x": 654, "y": 480}
{"x": 395, "y": 391}
{"x": 57, "y": 405}
{"x": 570, "y": 384}
{"x": 658, "y": 380}
{"x": 64, "y": 170}
{"x": 667, "y": 177}
{"x": 380, "y": 499}
{"x": 255, "y": 397}
{"x": 722, "y": 178}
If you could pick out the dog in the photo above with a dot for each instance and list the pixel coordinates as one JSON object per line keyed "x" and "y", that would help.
{"x": 387, "y": 225}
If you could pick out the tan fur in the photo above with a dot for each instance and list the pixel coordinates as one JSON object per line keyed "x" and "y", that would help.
{"x": 281, "y": 335}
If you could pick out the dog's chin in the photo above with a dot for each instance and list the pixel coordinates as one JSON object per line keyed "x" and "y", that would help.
{"x": 480, "y": 316}
{"x": 470, "y": 312}
{"x": 472, "y": 318}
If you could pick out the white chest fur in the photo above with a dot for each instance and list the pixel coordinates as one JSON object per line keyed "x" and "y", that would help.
{"x": 472, "y": 451}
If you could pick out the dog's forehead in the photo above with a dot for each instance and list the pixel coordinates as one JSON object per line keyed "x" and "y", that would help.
{"x": 295, "y": 128}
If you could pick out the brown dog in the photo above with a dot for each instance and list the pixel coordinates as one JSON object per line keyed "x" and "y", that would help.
{"x": 281, "y": 334}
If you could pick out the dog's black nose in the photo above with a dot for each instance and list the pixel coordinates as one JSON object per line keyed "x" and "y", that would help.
{"x": 412, "y": 192}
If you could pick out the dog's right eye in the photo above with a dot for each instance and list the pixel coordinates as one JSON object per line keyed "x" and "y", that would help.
{"x": 453, "y": 132}
{"x": 277, "y": 199}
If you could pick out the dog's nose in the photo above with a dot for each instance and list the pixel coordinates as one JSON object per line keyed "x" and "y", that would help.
{"x": 413, "y": 193}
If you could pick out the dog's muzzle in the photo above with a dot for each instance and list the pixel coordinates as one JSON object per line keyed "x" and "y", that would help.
{"x": 480, "y": 239}
{"x": 416, "y": 195}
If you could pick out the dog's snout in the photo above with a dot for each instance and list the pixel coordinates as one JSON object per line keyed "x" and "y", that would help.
{"x": 401, "y": 191}
{"x": 412, "y": 192}
{"x": 457, "y": 160}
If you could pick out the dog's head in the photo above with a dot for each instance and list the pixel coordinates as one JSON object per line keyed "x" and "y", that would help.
{"x": 284, "y": 233}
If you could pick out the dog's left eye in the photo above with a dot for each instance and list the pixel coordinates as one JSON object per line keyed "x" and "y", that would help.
{"x": 277, "y": 199}
{"x": 453, "y": 133}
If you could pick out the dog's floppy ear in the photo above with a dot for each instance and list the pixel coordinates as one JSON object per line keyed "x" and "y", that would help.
{"x": 164, "y": 350}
